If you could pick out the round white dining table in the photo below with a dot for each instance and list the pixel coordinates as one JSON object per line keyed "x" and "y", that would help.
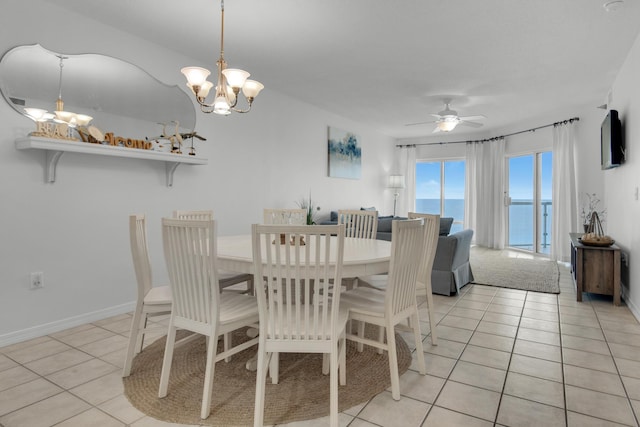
{"x": 362, "y": 257}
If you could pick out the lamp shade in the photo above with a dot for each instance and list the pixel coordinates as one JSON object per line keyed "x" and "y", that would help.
{"x": 235, "y": 77}
{"x": 196, "y": 76}
{"x": 396, "y": 181}
{"x": 252, "y": 88}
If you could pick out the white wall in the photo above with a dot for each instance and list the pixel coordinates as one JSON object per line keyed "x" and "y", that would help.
{"x": 621, "y": 184}
{"x": 75, "y": 230}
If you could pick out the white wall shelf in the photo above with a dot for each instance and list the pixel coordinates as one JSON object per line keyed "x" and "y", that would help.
{"x": 55, "y": 148}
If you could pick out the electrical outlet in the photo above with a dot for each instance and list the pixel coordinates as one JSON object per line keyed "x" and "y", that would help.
{"x": 37, "y": 280}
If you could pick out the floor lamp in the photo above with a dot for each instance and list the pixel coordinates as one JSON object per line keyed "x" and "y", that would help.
{"x": 396, "y": 182}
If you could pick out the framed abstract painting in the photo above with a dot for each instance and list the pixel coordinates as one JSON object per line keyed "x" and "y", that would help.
{"x": 345, "y": 154}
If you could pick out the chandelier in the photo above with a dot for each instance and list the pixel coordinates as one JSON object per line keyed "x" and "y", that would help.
{"x": 59, "y": 115}
{"x": 230, "y": 81}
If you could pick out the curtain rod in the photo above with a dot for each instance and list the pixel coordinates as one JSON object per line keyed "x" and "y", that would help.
{"x": 562, "y": 122}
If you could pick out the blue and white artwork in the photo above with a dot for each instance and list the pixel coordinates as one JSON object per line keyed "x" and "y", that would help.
{"x": 345, "y": 154}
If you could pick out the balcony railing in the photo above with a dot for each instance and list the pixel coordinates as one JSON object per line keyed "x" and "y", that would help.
{"x": 521, "y": 225}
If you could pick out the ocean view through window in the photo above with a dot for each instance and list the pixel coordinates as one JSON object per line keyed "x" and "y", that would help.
{"x": 530, "y": 202}
{"x": 440, "y": 190}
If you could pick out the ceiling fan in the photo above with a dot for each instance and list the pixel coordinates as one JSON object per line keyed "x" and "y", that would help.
{"x": 448, "y": 119}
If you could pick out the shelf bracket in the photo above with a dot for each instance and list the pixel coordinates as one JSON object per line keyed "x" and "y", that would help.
{"x": 170, "y": 169}
{"x": 51, "y": 164}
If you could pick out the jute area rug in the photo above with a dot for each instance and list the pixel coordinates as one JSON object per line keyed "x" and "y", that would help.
{"x": 495, "y": 268}
{"x": 301, "y": 394}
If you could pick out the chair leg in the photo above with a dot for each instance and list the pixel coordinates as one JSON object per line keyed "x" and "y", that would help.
{"x": 274, "y": 367}
{"x": 380, "y": 338}
{"x": 208, "y": 378}
{"x": 325, "y": 364}
{"x": 432, "y": 317}
{"x": 133, "y": 339}
{"x": 142, "y": 326}
{"x": 417, "y": 336}
{"x": 333, "y": 389}
{"x": 261, "y": 378}
{"x": 168, "y": 358}
{"x": 361, "y": 325}
{"x": 393, "y": 363}
{"x": 227, "y": 345}
{"x": 342, "y": 355}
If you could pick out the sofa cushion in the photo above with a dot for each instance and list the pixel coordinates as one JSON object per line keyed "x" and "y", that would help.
{"x": 445, "y": 226}
{"x": 384, "y": 224}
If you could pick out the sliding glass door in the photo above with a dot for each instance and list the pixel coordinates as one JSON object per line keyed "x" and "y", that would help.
{"x": 440, "y": 190}
{"x": 529, "y": 202}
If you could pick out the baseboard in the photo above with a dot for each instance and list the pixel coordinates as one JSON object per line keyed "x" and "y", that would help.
{"x": 60, "y": 325}
{"x": 632, "y": 307}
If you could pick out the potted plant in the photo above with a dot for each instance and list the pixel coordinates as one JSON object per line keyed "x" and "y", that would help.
{"x": 590, "y": 205}
{"x": 309, "y": 206}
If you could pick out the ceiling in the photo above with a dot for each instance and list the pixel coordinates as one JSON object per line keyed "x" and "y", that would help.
{"x": 389, "y": 63}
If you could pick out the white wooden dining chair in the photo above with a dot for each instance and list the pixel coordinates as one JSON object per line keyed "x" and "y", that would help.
{"x": 358, "y": 224}
{"x": 379, "y": 281}
{"x": 226, "y": 278}
{"x": 151, "y": 301}
{"x": 285, "y": 216}
{"x": 398, "y": 302}
{"x": 297, "y": 315}
{"x": 198, "y": 306}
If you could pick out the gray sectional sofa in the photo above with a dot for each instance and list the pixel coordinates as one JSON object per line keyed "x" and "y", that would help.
{"x": 451, "y": 267}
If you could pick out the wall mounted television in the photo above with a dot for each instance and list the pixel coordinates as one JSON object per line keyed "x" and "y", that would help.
{"x": 611, "y": 141}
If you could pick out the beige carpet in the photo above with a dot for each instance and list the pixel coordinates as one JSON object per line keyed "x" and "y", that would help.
{"x": 495, "y": 268}
{"x": 302, "y": 393}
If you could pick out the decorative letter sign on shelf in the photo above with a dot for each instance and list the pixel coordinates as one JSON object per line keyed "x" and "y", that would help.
{"x": 55, "y": 148}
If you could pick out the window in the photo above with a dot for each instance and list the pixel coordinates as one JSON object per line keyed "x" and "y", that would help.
{"x": 440, "y": 190}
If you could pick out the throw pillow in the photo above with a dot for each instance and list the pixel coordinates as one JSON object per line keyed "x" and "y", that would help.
{"x": 445, "y": 226}
{"x": 384, "y": 224}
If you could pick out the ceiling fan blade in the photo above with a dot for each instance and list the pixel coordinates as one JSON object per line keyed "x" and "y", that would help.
{"x": 480, "y": 117}
{"x": 419, "y": 123}
{"x": 472, "y": 124}
{"x": 437, "y": 116}
{"x": 436, "y": 130}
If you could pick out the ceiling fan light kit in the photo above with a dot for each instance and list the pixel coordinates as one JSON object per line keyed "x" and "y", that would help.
{"x": 448, "y": 119}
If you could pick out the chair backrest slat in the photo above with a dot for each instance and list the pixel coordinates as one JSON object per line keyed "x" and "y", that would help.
{"x": 190, "y": 255}
{"x": 298, "y": 279}
{"x": 432, "y": 229}
{"x": 285, "y": 216}
{"x": 358, "y": 223}
{"x": 407, "y": 253}
{"x": 140, "y": 253}
{"x": 197, "y": 215}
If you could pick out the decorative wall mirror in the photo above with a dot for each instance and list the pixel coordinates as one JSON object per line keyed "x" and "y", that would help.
{"x": 115, "y": 93}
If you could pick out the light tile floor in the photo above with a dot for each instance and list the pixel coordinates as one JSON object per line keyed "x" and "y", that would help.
{"x": 504, "y": 358}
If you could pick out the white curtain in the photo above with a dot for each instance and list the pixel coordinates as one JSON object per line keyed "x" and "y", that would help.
{"x": 564, "y": 197}
{"x": 407, "y": 200}
{"x": 485, "y": 192}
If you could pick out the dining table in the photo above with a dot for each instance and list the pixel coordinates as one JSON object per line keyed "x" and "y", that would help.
{"x": 361, "y": 257}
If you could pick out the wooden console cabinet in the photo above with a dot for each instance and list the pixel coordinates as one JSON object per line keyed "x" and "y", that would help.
{"x": 595, "y": 269}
